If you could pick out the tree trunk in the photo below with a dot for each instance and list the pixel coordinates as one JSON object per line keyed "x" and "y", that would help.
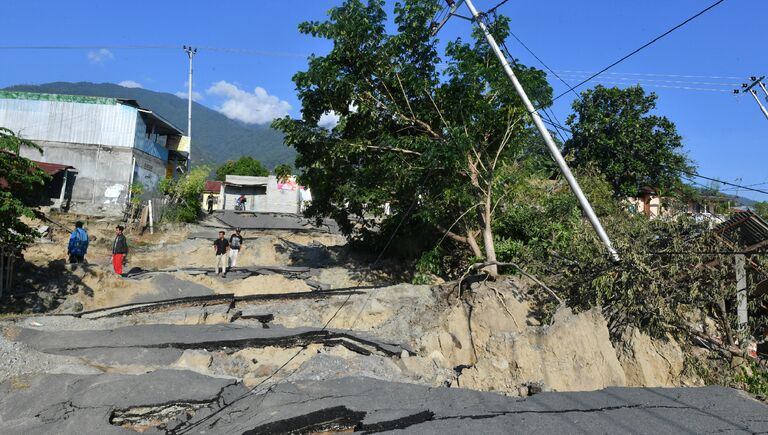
{"x": 484, "y": 217}
{"x": 473, "y": 244}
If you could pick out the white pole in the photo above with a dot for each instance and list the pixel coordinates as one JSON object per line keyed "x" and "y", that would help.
{"x": 191, "y": 53}
{"x": 762, "y": 108}
{"x": 585, "y": 206}
{"x": 151, "y": 225}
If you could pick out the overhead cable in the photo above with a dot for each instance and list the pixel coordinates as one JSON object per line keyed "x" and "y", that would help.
{"x": 637, "y": 50}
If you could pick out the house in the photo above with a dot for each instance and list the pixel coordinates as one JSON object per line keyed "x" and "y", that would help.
{"x": 264, "y": 194}
{"x": 112, "y": 142}
{"x": 212, "y": 189}
{"x": 647, "y": 202}
{"x": 57, "y": 191}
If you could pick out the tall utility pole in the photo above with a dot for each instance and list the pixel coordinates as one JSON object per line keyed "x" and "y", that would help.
{"x": 553, "y": 150}
{"x": 191, "y": 53}
{"x": 750, "y": 87}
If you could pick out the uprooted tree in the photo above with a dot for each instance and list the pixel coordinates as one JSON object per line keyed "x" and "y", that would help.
{"x": 440, "y": 150}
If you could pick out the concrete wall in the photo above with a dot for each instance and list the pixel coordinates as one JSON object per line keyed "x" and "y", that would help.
{"x": 149, "y": 170}
{"x": 103, "y": 174}
{"x": 282, "y": 200}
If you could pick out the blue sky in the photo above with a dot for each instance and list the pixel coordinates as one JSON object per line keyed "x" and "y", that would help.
{"x": 724, "y": 134}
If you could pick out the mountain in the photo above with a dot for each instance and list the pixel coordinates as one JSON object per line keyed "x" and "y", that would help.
{"x": 216, "y": 137}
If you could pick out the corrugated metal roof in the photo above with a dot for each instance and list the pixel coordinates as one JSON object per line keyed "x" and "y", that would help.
{"x": 52, "y": 168}
{"x": 212, "y": 186}
{"x": 744, "y": 229}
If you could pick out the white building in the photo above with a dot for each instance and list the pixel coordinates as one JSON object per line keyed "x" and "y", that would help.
{"x": 264, "y": 194}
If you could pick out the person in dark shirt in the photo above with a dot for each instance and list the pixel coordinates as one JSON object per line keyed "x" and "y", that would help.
{"x": 235, "y": 245}
{"x": 119, "y": 250}
{"x": 220, "y": 245}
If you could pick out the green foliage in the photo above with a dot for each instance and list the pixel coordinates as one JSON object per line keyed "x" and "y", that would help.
{"x": 243, "y": 166}
{"x": 614, "y": 130}
{"x": 761, "y": 208}
{"x": 185, "y": 194}
{"x": 137, "y": 189}
{"x": 753, "y": 379}
{"x": 435, "y": 148}
{"x": 283, "y": 171}
{"x": 20, "y": 182}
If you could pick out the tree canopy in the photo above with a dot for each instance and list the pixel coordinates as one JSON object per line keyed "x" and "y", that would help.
{"x": 245, "y": 165}
{"x": 439, "y": 147}
{"x": 20, "y": 182}
{"x": 614, "y": 130}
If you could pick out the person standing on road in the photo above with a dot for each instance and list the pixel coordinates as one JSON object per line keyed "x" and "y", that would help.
{"x": 78, "y": 244}
{"x": 119, "y": 250}
{"x": 220, "y": 245}
{"x": 210, "y": 204}
{"x": 235, "y": 245}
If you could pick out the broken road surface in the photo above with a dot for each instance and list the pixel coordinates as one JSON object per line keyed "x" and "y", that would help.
{"x": 302, "y": 339}
{"x": 176, "y": 402}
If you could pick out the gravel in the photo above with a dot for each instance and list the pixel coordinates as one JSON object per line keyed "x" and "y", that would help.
{"x": 17, "y": 359}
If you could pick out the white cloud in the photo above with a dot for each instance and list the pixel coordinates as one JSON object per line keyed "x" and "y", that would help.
{"x": 130, "y": 84}
{"x": 253, "y": 108}
{"x": 328, "y": 120}
{"x": 196, "y": 96}
{"x": 100, "y": 55}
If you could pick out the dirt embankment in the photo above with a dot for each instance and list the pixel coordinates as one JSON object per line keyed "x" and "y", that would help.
{"x": 490, "y": 340}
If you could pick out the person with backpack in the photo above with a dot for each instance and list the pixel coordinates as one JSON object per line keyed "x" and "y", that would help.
{"x": 119, "y": 250}
{"x": 78, "y": 244}
{"x": 235, "y": 244}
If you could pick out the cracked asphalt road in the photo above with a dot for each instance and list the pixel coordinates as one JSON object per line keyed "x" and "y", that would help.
{"x": 76, "y": 404}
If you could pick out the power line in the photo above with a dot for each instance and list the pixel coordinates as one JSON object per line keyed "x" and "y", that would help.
{"x": 687, "y": 88}
{"x": 637, "y": 50}
{"x": 655, "y": 75}
{"x": 637, "y": 79}
{"x": 694, "y": 174}
{"x": 234, "y": 50}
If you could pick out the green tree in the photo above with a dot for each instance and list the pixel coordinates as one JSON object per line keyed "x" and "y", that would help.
{"x": 439, "y": 150}
{"x": 613, "y": 129}
{"x": 20, "y": 182}
{"x": 283, "y": 171}
{"x": 761, "y": 208}
{"x": 243, "y": 166}
{"x": 185, "y": 194}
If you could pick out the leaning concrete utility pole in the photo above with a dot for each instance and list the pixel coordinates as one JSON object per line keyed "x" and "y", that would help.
{"x": 585, "y": 206}
{"x": 191, "y": 53}
{"x": 756, "y": 81}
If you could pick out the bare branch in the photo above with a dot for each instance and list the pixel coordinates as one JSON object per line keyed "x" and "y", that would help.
{"x": 399, "y": 150}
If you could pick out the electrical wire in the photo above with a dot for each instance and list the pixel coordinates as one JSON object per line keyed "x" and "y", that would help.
{"x": 653, "y": 75}
{"x": 637, "y": 50}
{"x": 234, "y": 50}
{"x": 643, "y": 80}
{"x": 687, "y": 88}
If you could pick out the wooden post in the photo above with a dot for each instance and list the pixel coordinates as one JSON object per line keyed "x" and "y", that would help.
{"x": 741, "y": 292}
{"x": 63, "y": 190}
{"x": 2, "y": 270}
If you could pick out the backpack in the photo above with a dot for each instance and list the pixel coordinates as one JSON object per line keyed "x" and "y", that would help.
{"x": 81, "y": 241}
